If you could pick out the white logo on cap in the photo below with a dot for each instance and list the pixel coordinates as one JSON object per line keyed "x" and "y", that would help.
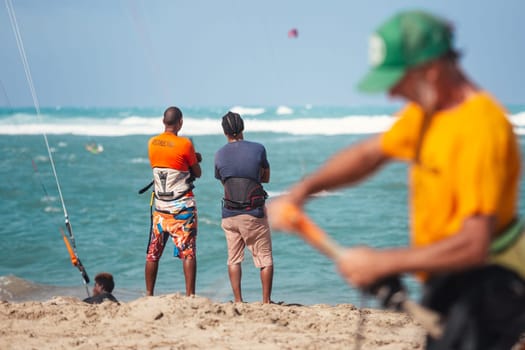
{"x": 376, "y": 50}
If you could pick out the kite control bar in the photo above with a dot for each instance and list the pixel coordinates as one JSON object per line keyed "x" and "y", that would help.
{"x": 389, "y": 290}
{"x": 70, "y": 245}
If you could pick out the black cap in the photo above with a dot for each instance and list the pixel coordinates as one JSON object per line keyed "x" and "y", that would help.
{"x": 232, "y": 124}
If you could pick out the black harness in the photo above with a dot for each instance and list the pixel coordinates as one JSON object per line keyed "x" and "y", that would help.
{"x": 243, "y": 194}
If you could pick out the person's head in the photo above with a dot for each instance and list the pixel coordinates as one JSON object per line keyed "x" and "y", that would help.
{"x": 172, "y": 119}
{"x": 412, "y": 56}
{"x": 232, "y": 125}
{"x": 103, "y": 283}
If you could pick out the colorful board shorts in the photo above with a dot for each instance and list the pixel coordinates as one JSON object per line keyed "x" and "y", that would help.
{"x": 248, "y": 231}
{"x": 181, "y": 226}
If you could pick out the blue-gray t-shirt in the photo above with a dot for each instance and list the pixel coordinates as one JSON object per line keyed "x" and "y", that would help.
{"x": 241, "y": 159}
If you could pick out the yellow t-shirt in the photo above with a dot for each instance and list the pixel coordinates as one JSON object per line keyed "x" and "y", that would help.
{"x": 469, "y": 164}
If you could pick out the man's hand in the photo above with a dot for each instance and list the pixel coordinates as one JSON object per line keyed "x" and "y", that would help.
{"x": 361, "y": 266}
{"x": 276, "y": 210}
{"x": 199, "y": 157}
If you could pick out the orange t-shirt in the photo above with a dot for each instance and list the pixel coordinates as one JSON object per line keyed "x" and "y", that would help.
{"x": 168, "y": 150}
{"x": 469, "y": 163}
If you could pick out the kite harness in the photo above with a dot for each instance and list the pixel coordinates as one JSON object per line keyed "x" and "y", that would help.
{"x": 243, "y": 194}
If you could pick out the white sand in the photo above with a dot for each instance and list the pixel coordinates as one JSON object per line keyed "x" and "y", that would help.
{"x": 177, "y": 322}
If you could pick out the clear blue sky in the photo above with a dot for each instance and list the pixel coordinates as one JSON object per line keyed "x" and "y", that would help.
{"x": 233, "y": 52}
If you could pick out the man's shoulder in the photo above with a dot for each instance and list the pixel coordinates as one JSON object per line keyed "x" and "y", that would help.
{"x": 170, "y": 140}
{"x": 170, "y": 135}
{"x": 150, "y": 140}
{"x": 253, "y": 145}
{"x": 221, "y": 150}
{"x": 98, "y": 299}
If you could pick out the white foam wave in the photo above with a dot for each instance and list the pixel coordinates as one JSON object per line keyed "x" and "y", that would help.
{"x": 274, "y": 194}
{"x": 41, "y": 159}
{"x": 192, "y": 126}
{"x": 135, "y": 125}
{"x": 247, "y": 110}
{"x": 50, "y": 209}
{"x": 519, "y": 131}
{"x": 518, "y": 119}
{"x": 325, "y": 126}
{"x": 48, "y": 199}
{"x": 283, "y": 110}
{"x": 139, "y": 161}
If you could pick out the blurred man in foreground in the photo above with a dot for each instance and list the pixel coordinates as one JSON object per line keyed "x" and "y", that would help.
{"x": 467, "y": 242}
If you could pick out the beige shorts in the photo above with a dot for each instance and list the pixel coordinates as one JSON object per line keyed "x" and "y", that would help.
{"x": 248, "y": 231}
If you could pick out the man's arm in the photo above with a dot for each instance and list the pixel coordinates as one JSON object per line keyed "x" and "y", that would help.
{"x": 265, "y": 175}
{"x": 195, "y": 170}
{"x": 468, "y": 248}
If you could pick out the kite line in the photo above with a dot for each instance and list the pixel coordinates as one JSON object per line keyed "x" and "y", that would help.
{"x": 69, "y": 241}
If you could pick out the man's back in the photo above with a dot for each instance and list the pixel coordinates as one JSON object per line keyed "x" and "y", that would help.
{"x": 240, "y": 159}
{"x": 168, "y": 150}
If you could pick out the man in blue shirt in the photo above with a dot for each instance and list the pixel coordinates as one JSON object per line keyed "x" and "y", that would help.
{"x": 242, "y": 166}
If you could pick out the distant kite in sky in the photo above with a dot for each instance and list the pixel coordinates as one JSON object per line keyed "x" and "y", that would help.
{"x": 293, "y": 33}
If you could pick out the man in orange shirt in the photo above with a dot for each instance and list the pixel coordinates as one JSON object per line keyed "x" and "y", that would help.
{"x": 175, "y": 165}
{"x": 467, "y": 241}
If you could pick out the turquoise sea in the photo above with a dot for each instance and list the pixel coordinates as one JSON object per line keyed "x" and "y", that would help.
{"x": 110, "y": 219}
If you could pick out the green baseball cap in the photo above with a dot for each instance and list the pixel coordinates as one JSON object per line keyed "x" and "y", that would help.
{"x": 405, "y": 40}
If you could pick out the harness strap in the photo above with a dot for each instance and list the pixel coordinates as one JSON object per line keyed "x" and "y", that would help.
{"x": 243, "y": 193}
{"x": 182, "y": 194}
{"x": 508, "y": 237}
{"x": 150, "y": 218}
{"x": 508, "y": 249}
{"x": 145, "y": 188}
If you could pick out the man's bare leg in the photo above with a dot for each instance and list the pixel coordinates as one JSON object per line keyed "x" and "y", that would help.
{"x": 267, "y": 280}
{"x": 150, "y": 273}
{"x": 190, "y": 273}
{"x": 235, "y": 273}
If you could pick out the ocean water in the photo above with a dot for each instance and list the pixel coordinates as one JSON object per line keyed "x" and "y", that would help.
{"x": 110, "y": 220}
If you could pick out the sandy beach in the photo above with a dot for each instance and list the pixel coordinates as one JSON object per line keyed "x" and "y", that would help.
{"x": 176, "y": 322}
